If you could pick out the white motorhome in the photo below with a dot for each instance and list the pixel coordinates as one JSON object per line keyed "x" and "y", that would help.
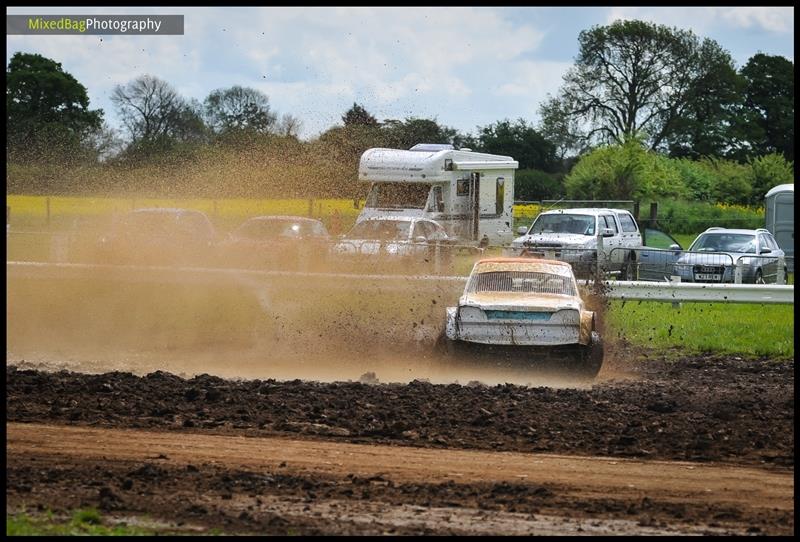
{"x": 471, "y": 194}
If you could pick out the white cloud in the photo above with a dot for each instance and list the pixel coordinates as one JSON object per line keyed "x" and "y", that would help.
{"x": 703, "y": 19}
{"x": 773, "y": 19}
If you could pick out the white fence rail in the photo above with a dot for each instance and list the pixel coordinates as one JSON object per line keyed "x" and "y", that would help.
{"x": 677, "y": 292}
{"x": 674, "y": 292}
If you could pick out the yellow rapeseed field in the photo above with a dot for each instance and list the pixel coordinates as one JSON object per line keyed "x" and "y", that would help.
{"x": 29, "y": 208}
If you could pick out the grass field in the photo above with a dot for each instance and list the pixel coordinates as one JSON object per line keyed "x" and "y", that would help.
{"x": 735, "y": 328}
{"x": 85, "y": 522}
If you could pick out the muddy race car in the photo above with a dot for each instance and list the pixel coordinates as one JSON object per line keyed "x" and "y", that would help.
{"x": 526, "y": 309}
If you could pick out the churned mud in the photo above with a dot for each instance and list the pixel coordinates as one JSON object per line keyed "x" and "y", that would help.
{"x": 656, "y": 445}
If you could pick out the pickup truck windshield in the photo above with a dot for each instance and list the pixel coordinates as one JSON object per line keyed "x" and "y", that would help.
{"x": 563, "y": 223}
{"x": 398, "y": 195}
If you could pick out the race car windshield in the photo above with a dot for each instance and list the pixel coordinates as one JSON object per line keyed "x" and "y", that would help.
{"x": 725, "y": 242}
{"x": 523, "y": 282}
{"x": 381, "y": 230}
{"x": 558, "y": 223}
{"x": 398, "y": 195}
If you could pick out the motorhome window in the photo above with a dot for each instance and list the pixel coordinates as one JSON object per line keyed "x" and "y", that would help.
{"x": 462, "y": 187}
{"x": 500, "y": 195}
{"x": 381, "y": 230}
{"x": 398, "y": 195}
{"x": 438, "y": 200}
{"x": 558, "y": 223}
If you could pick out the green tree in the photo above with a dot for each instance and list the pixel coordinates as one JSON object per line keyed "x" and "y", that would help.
{"x": 519, "y": 140}
{"x": 155, "y": 115}
{"x": 732, "y": 181}
{"x": 239, "y": 109}
{"x": 537, "y": 185}
{"x": 358, "y": 116}
{"x": 47, "y": 109}
{"x": 631, "y": 78}
{"x": 768, "y": 171}
{"x": 713, "y": 106}
{"x": 626, "y": 171}
{"x": 405, "y": 134}
{"x": 768, "y": 116}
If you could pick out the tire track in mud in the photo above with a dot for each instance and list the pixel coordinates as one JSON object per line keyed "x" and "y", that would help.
{"x": 407, "y": 488}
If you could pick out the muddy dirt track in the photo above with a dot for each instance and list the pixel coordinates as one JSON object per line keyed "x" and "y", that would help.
{"x": 692, "y": 445}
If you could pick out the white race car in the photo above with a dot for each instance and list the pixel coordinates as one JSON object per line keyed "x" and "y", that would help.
{"x": 525, "y": 306}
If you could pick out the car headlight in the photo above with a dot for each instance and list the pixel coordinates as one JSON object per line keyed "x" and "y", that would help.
{"x": 471, "y": 314}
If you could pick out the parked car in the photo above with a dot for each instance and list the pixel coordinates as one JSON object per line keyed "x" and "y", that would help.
{"x": 294, "y": 242}
{"x": 159, "y": 236}
{"x": 570, "y": 235}
{"x": 409, "y": 239}
{"x": 656, "y": 259}
{"x": 531, "y": 306}
{"x": 713, "y": 255}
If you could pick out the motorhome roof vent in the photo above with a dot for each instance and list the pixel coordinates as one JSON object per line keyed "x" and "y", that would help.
{"x": 432, "y": 147}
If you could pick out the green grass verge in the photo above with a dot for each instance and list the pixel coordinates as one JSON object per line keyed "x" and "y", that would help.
{"x": 752, "y": 329}
{"x": 82, "y": 522}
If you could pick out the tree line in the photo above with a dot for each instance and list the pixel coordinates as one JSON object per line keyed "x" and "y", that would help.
{"x": 646, "y": 110}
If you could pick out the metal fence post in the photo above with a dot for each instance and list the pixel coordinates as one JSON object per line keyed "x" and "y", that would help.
{"x": 59, "y": 248}
{"x": 675, "y": 279}
{"x": 600, "y": 256}
{"x": 781, "y": 278}
{"x": 737, "y": 271}
{"x": 437, "y": 258}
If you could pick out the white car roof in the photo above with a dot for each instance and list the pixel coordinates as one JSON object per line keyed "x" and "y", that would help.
{"x": 399, "y": 218}
{"x": 584, "y": 211}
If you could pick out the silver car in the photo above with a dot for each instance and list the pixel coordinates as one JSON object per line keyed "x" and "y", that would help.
{"x": 394, "y": 240}
{"x": 714, "y": 255}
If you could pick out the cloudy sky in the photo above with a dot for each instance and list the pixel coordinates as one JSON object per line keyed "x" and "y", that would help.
{"x": 463, "y": 66}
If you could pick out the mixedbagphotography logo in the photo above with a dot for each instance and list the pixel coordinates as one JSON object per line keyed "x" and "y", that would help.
{"x": 95, "y": 24}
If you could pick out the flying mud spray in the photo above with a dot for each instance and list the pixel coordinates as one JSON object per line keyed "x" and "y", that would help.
{"x": 239, "y": 324}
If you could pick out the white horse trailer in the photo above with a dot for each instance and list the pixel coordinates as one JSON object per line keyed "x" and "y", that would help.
{"x": 471, "y": 194}
{"x": 779, "y": 203}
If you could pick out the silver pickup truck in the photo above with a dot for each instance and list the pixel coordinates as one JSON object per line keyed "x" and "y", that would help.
{"x": 570, "y": 235}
